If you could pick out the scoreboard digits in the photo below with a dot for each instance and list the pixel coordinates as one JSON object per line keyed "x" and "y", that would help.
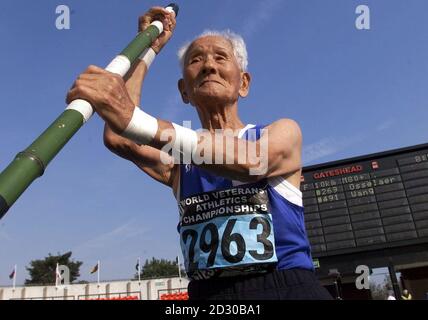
{"x": 370, "y": 202}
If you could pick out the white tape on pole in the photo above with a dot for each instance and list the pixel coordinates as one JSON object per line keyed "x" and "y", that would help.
{"x": 170, "y": 9}
{"x": 82, "y": 106}
{"x": 158, "y": 25}
{"x": 119, "y": 65}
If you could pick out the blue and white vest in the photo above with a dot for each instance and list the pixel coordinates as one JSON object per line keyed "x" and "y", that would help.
{"x": 229, "y": 228}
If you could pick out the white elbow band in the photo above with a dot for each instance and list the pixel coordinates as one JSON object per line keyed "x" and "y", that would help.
{"x": 185, "y": 144}
{"x": 142, "y": 128}
{"x": 148, "y": 56}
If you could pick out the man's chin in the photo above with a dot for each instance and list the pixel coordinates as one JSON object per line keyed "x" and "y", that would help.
{"x": 212, "y": 98}
{"x": 211, "y": 93}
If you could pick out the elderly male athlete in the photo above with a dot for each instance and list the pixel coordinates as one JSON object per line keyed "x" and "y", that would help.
{"x": 241, "y": 226}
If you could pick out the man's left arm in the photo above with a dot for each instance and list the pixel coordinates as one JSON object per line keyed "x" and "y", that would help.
{"x": 276, "y": 153}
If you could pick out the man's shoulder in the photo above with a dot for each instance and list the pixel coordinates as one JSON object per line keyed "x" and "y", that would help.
{"x": 285, "y": 127}
{"x": 285, "y": 122}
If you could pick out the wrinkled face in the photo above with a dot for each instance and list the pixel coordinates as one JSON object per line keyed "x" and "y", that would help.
{"x": 211, "y": 73}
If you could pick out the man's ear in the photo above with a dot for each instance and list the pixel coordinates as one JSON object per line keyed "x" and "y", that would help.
{"x": 245, "y": 84}
{"x": 181, "y": 88}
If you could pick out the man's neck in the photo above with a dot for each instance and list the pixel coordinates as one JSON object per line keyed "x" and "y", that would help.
{"x": 220, "y": 117}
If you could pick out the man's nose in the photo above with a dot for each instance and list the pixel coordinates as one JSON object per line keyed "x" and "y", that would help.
{"x": 209, "y": 66}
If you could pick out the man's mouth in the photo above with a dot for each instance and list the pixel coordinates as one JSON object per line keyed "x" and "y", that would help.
{"x": 207, "y": 81}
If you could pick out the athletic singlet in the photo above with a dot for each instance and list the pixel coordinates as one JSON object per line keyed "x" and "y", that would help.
{"x": 228, "y": 227}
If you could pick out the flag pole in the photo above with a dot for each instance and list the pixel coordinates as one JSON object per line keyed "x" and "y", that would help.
{"x": 14, "y": 278}
{"x": 179, "y": 269}
{"x": 139, "y": 270}
{"x": 98, "y": 272}
{"x": 56, "y": 275}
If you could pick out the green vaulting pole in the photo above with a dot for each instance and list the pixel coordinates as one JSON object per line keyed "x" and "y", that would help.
{"x": 32, "y": 162}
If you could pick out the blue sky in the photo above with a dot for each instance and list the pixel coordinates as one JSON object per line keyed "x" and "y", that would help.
{"x": 352, "y": 91}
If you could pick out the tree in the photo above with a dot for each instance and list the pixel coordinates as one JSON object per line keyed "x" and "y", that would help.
{"x": 43, "y": 271}
{"x": 159, "y": 268}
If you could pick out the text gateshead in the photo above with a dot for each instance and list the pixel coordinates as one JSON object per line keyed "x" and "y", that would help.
{"x": 338, "y": 172}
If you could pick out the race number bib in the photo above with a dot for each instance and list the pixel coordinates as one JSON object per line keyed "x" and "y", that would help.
{"x": 226, "y": 232}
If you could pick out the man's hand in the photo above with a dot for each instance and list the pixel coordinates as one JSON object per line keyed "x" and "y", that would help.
{"x": 168, "y": 20}
{"x": 107, "y": 94}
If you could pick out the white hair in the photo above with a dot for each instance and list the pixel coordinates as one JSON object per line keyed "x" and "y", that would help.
{"x": 237, "y": 42}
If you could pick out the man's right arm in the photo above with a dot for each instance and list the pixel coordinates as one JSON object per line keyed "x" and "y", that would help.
{"x": 146, "y": 158}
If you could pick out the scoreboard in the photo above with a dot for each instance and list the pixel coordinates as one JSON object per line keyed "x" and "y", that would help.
{"x": 367, "y": 203}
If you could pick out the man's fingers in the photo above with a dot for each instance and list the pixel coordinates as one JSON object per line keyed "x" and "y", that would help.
{"x": 158, "y": 11}
{"x": 170, "y": 23}
{"x": 151, "y": 15}
{"x": 155, "y": 13}
{"x": 92, "y": 69}
{"x": 72, "y": 95}
{"x": 173, "y": 20}
{"x": 85, "y": 80}
{"x": 88, "y": 76}
{"x": 79, "y": 92}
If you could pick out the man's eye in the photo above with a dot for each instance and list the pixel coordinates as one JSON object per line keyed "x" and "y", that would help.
{"x": 220, "y": 58}
{"x": 193, "y": 60}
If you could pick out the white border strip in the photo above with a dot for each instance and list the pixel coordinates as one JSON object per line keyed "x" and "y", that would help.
{"x": 243, "y": 130}
{"x": 240, "y": 135}
{"x": 287, "y": 190}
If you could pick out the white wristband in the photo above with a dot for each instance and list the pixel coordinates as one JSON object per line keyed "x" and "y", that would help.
{"x": 148, "y": 56}
{"x": 185, "y": 144}
{"x": 142, "y": 128}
